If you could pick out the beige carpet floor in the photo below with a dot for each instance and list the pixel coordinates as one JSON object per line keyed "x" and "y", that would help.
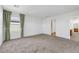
{"x": 40, "y": 44}
{"x": 75, "y": 36}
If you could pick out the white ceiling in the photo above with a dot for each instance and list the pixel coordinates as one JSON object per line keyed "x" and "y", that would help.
{"x": 42, "y": 10}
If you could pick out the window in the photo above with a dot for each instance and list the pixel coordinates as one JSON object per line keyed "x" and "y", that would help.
{"x": 15, "y": 30}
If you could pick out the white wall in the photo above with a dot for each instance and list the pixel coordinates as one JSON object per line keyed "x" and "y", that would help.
{"x": 62, "y": 27}
{"x": 1, "y": 25}
{"x": 47, "y": 26}
{"x": 63, "y": 24}
{"x": 53, "y": 25}
{"x": 32, "y": 26}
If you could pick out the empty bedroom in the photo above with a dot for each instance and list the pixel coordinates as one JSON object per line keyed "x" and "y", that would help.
{"x": 39, "y": 28}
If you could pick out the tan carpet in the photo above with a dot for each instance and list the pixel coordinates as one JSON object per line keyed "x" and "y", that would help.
{"x": 75, "y": 36}
{"x": 40, "y": 44}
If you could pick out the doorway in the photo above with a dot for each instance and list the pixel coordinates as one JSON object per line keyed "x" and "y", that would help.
{"x": 74, "y": 30}
{"x": 53, "y": 27}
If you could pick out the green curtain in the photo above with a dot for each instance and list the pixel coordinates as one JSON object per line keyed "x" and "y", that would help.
{"x": 6, "y": 22}
{"x": 22, "y": 24}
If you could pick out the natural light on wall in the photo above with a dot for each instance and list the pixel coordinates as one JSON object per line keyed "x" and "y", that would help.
{"x": 75, "y": 21}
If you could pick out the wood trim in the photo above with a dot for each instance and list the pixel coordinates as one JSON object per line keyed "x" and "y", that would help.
{"x": 75, "y": 29}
